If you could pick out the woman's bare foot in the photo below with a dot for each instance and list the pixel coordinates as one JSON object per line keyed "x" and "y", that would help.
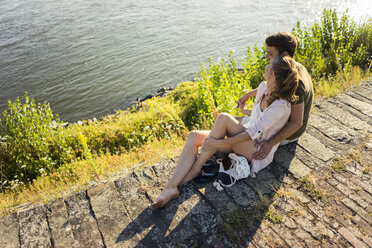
{"x": 165, "y": 197}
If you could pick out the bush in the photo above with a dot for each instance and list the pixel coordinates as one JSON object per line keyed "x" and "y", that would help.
{"x": 27, "y": 128}
{"x": 336, "y": 44}
{"x": 127, "y": 130}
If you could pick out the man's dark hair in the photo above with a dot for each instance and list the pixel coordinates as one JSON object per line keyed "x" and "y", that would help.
{"x": 283, "y": 41}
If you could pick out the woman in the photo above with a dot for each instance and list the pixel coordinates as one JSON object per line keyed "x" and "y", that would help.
{"x": 269, "y": 114}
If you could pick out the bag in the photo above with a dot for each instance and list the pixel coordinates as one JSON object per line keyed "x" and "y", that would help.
{"x": 239, "y": 169}
{"x": 209, "y": 171}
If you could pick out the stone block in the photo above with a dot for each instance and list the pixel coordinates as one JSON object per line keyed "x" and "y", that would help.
{"x": 33, "y": 227}
{"x": 244, "y": 195}
{"x": 9, "y": 231}
{"x": 313, "y": 146}
{"x": 188, "y": 215}
{"x": 267, "y": 186}
{"x": 220, "y": 200}
{"x": 146, "y": 223}
{"x": 299, "y": 195}
{"x": 60, "y": 226}
{"x": 328, "y": 129}
{"x": 358, "y": 210}
{"x": 286, "y": 235}
{"x": 366, "y": 92}
{"x": 298, "y": 169}
{"x": 82, "y": 220}
{"x": 351, "y": 238}
{"x": 112, "y": 218}
{"x": 363, "y": 107}
{"x": 283, "y": 158}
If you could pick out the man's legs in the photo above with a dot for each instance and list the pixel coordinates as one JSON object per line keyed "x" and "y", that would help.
{"x": 285, "y": 142}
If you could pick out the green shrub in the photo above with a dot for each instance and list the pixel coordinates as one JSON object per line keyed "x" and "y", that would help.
{"x": 221, "y": 85}
{"x": 336, "y": 44}
{"x": 27, "y": 128}
{"x": 127, "y": 130}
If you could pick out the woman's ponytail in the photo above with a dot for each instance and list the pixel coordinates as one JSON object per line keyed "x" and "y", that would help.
{"x": 286, "y": 78}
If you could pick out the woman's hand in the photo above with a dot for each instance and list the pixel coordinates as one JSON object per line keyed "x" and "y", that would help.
{"x": 242, "y": 100}
{"x": 246, "y": 111}
{"x": 210, "y": 143}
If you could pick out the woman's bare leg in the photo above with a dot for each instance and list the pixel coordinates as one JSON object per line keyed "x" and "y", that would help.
{"x": 187, "y": 168}
{"x": 184, "y": 164}
{"x": 225, "y": 125}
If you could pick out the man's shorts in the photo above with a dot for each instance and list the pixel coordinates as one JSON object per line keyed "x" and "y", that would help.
{"x": 284, "y": 142}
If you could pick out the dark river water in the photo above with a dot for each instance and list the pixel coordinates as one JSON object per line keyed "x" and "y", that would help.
{"x": 90, "y": 57}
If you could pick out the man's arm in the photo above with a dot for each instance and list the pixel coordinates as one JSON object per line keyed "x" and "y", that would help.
{"x": 294, "y": 123}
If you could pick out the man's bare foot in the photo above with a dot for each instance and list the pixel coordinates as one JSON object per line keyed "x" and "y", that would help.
{"x": 165, "y": 197}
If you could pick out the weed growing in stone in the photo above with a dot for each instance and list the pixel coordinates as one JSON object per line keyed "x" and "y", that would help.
{"x": 274, "y": 218}
{"x": 338, "y": 165}
{"x": 308, "y": 186}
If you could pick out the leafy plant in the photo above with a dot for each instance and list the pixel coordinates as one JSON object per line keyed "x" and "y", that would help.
{"x": 27, "y": 128}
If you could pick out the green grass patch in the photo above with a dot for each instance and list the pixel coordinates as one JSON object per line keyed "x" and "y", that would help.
{"x": 274, "y": 218}
{"x": 308, "y": 186}
{"x": 338, "y": 165}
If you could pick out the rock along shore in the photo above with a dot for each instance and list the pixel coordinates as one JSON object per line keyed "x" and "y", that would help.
{"x": 302, "y": 199}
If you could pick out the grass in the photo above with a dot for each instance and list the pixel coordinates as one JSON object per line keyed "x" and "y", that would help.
{"x": 274, "y": 218}
{"x": 342, "y": 81}
{"x": 76, "y": 176}
{"x": 338, "y": 165}
{"x": 307, "y": 185}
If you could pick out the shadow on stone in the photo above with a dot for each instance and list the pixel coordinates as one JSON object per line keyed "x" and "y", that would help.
{"x": 205, "y": 217}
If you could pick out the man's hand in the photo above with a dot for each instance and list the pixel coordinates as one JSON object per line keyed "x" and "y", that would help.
{"x": 264, "y": 151}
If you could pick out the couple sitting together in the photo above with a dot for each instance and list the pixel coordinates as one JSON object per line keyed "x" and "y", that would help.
{"x": 280, "y": 113}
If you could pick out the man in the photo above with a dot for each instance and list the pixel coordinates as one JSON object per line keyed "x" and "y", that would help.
{"x": 285, "y": 44}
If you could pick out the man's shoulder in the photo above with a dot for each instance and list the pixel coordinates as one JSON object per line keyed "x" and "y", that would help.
{"x": 304, "y": 76}
{"x": 302, "y": 70}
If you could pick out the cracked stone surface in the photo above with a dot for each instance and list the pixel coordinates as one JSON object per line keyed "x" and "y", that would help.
{"x": 302, "y": 199}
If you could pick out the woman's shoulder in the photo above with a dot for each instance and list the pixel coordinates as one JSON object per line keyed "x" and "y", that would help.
{"x": 261, "y": 89}
{"x": 262, "y": 85}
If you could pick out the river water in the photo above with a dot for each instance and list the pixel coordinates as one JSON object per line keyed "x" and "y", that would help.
{"x": 90, "y": 57}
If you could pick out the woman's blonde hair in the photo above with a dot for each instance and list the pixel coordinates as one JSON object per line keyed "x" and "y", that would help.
{"x": 286, "y": 78}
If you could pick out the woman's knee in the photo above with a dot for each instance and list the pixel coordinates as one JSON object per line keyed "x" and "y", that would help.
{"x": 223, "y": 117}
{"x": 195, "y": 136}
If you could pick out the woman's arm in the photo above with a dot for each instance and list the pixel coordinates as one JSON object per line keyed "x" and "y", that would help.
{"x": 211, "y": 143}
{"x": 242, "y": 100}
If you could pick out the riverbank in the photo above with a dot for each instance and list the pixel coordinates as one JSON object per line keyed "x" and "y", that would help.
{"x": 315, "y": 193}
